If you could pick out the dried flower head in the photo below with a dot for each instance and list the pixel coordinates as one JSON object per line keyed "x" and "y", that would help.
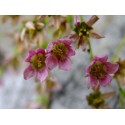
{"x": 13, "y": 18}
{"x": 120, "y": 74}
{"x": 96, "y": 100}
{"x": 31, "y": 32}
{"x": 98, "y": 72}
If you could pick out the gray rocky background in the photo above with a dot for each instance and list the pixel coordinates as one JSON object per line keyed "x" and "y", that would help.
{"x": 17, "y": 93}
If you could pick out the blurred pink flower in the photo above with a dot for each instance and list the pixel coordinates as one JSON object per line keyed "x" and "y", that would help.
{"x": 37, "y": 65}
{"x": 58, "y": 53}
{"x": 1, "y": 82}
{"x": 99, "y": 69}
{"x": 76, "y": 20}
{"x": 52, "y": 85}
{"x": 35, "y": 105}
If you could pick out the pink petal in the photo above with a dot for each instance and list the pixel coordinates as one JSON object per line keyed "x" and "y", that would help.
{"x": 50, "y": 46}
{"x": 71, "y": 52}
{"x": 76, "y": 20}
{"x": 101, "y": 58}
{"x": 65, "y": 64}
{"x": 42, "y": 74}
{"x": 51, "y": 62}
{"x": 92, "y": 81}
{"x": 29, "y": 55}
{"x": 29, "y": 72}
{"x": 65, "y": 41}
{"x": 111, "y": 67}
{"x": 89, "y": 66}
{"x": 40, "y": 50}
{"x": 96, "y": 35}
{"x": 106, "y": 80}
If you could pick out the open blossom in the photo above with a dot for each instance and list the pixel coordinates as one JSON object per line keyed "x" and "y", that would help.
{"x": 59, "y": 53}
{"x": 37, "y": 65}
{"x": 84, "y": 30}
{"x": 98, "y": 72}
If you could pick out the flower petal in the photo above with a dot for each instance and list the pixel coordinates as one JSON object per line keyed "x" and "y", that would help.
{"x": 65, "y": 41}
{"x": 65, "y": 64}
{"x": 106, "y": 80}
{"x": 51, "y": 62}
{"x": 93, "y": 20}
{"x": 92, "y": 81}
{"x": 29, "y": 72}
{"x": 49, "y": 48}
{"x": 29, "y": 55}
{"x": 42, "y": 74}
{"x": 76, "y": 20}
{"x": 111, "y": 67}
{"x": 71, "y": 52}
{"x": 89, "y": 66}
{"x": 96, "y": 35}
{"x": 101, "y": 58}
{"x": 40, "y": 50}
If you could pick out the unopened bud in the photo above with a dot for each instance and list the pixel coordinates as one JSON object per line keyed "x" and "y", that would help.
{"x": 30, "y": 25}
{"x": 93, "y": 20}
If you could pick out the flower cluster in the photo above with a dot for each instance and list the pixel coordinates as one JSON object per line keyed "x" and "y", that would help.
{"x": 42, "y": 61}
{"x": 58, "y": 53}
{"x": 99, "y": 72}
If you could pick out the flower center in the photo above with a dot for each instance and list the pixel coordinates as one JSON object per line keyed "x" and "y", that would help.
{"x": 38, "y": 61}
{"x": 98, "y": 70}
{"x": 83, "y": 29}
{"x": 59, "y": 51}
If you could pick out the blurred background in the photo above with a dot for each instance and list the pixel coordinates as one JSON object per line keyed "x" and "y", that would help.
{"x": 18, "y": 34}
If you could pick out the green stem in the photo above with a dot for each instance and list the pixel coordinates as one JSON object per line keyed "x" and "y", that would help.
{"x": 82, "y": 18}
{"x": 121, "y": 94}
{"x": 90, "y": 48}
{"x": 122, "y": 42}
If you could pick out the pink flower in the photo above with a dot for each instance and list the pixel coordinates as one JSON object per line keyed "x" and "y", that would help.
{"x": 99, "y": 69}
{"x": 58, "y": 53}
{"x": 37, "y": 65}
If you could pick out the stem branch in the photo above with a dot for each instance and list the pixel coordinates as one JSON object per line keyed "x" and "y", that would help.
{"x": 120, "y": 46}
{"x": 121, "y": 94}
{"x": 90, "y": 48}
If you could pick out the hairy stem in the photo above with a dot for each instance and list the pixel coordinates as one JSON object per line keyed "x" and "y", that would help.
{"x": 121, "y": 94}
{"x": 82, "y": 18}
{"x": 90, "y": 48}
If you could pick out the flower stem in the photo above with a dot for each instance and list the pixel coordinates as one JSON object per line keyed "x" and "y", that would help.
{"x": 122, "y": 42}
{"x": 121, "y": 94}
{"x": 90, "y": 48}
{"x": 82, "y": 18}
